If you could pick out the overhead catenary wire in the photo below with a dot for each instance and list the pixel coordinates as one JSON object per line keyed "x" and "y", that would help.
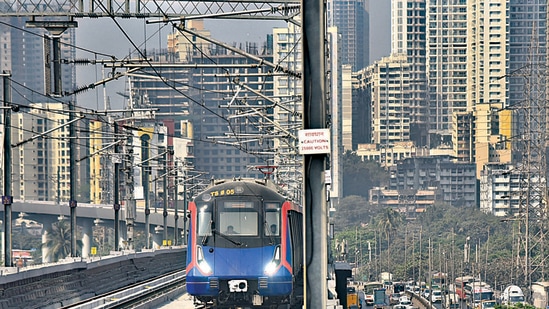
{"x": 96, "y": 53}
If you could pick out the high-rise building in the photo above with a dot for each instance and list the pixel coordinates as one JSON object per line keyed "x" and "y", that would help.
{"x": 446, "y": 63}
{"x": 352, "y": 21}
{"x": 361, "y": 110}
{"x": 457, "y": 181}
{"x": 340, "y": 102}
{"x": 226, "y": 143}
{"x": 214, "y": 103}
{"x": 346, "y": 107}
{"x": 527, "y": 44}
{"x": 506, "y": 42}
{"x": 409, "y": 37}
{"x": 470, "y": 53}
{"x": 41, "y": 166}
{"x": 288, "y": 115}
{"x": 101, "y": 174}
{"x": 388, "y": 83}
{"x": 463, "y": 140}
{"x": 23, "y": 52}
{"x": 488, "y": 52}
{"x": 500, "y": 190}
{"x": 491, "y": 134}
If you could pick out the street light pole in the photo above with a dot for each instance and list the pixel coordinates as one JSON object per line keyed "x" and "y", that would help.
{"x": 420, "y": 254}
{"x": 466, "y": 251}
{"x": 429, "y": 275}
{"x": 369, "y": 260}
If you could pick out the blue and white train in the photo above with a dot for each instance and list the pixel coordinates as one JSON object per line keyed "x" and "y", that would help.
{"x": 245, "y": 247}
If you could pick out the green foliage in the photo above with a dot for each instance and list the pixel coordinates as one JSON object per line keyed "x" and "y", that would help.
{"x": 402, "y": 247}
{"x": 361, "y": 176}
{"x": 352, "y": 210}
{"x": 515, "y": 306}
{"x": 58, "y": 241}
{"x": 25, "y": 241}
{"x": 358, "y": 178}
{"x": 388, "y": 221}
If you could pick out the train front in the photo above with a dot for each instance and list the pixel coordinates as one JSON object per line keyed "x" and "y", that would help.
{"x": 239, "y": 246}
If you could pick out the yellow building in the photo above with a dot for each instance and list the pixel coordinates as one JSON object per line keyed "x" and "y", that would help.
{"x": 185, "y": 45}
{"x": 41, "y": 166}
{"x": 96, "y": 143}
{"x": 492, "y": 135}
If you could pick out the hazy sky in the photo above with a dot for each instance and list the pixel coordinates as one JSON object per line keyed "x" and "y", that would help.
{"x": 103, "y": 35}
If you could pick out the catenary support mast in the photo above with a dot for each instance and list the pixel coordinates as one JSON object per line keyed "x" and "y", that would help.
{"x": 314, "y": 105}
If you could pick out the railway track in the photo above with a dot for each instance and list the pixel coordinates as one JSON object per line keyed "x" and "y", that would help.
{"x": 136, "y": 295}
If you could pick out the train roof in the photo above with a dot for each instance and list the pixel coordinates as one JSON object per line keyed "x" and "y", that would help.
{"x": 247, "y": 182}
{"x": 246, "y": 186}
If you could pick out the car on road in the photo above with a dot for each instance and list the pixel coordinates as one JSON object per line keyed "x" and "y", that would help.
{"x": 404, "y": 300}
{"x": 369, "y": 299}
{"x": 426, "y": 293}
{"x": 404, "y": 307}
{"x": 436, "y": 296}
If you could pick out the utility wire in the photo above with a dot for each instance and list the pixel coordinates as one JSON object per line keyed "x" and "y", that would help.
{"x": 61, "y": 42}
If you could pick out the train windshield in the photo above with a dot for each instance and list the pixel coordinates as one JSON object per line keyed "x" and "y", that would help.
{"x": 272, "y": 219}
{"x": 237, "y": 217}
{"x": 204, "y": 220}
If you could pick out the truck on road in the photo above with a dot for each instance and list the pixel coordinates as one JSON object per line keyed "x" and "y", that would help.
{"x": 512, "y": 295}
{"x": 369, "y": 288}
{"x": 380, "y": 298}
{"x": 386, "y": 278}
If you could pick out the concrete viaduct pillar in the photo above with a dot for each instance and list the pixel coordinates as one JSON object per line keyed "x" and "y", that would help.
{"x": 87, "y": 235}
{"x": 47, "y": 222}
{"x": 157, "y": 237}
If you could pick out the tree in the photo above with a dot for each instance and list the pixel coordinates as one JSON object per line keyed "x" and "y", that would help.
{"x": 361, "y": 176}
{"x": 26, "y": 241}
{"x": 494, "y": 244}
{"x": 388, "y": 222}
{"x": 352, "y": 211}
{"x": 58, "y": 241}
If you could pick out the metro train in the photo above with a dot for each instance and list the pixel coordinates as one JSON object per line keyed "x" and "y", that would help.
{"x": 245, "y": 247}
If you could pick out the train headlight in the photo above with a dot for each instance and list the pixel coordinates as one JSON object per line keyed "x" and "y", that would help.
{"x": 272, "y": 266}
{"x": 202, "y": 264}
